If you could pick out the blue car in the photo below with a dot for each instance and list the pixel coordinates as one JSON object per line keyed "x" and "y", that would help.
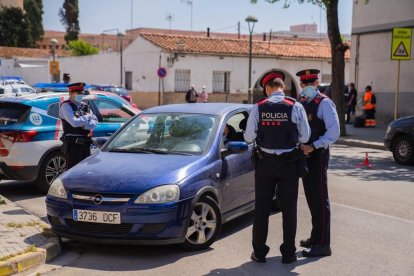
{"x": 30, "y": 130}
{"x": 167, "y": 176}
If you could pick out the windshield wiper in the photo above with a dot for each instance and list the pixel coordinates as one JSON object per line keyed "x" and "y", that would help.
{"x": 124, "y": 150}
{"x": 180, "y": 153}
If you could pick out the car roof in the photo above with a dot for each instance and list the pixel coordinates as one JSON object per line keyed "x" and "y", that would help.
{"x": 197, "y": 108}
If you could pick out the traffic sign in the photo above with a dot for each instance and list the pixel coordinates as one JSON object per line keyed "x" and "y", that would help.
{"x": 162, "y": 72}
{"x": 401, "y": 44}
{"x": 54, "y": 67}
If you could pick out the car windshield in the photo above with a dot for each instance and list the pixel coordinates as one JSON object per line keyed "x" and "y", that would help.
{"x": 165, "y": 133}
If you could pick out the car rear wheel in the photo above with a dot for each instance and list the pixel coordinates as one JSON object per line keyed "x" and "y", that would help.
{"x": 403, "y": 150}
{"x": 52, "y": 166}
{"x": 204, "y": 226}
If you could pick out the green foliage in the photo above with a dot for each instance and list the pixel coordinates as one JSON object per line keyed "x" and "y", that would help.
{"x": 69, "y": 15}
{"x": 34, "y": 13}
{"x": 82, "y": 48}
{"x": 14, "y": 28}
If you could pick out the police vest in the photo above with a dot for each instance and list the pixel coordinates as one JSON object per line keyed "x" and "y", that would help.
{"x": 276, "y": 129}
{"x": 68, "y": 128}
{"x": 316, "y": 125}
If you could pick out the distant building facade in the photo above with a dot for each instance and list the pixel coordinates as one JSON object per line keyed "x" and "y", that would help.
{"x": 304, "y": 28}
{"x": 11, "y": 3}
{"x": 371, "y": 64}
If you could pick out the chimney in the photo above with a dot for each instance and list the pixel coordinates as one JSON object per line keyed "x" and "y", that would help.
{"x": 208, "y": 32}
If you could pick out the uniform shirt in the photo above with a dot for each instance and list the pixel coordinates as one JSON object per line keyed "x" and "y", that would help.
{"x": 298, "y": 117}
{"x": 327, "y": 113}
{"x": 87, "y": 122}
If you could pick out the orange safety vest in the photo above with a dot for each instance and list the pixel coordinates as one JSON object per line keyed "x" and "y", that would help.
{"x": 367, "y": 100}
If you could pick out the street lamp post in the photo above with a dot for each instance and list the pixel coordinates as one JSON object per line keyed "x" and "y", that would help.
{"x": 53, "y": 43}
{"x": 251, "y": 20}
{"x": 121, "y": 38}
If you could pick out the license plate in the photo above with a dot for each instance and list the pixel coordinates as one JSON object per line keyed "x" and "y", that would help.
{"x": 97, "y": 216}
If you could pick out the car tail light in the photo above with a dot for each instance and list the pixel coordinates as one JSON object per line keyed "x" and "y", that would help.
{"x": 19, "y": 136}
{"x": 127, "y": 97}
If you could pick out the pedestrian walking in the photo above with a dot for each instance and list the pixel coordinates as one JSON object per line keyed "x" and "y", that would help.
{"x": 78, "y": 121}
{"x": 203, "y": 95}
{"x": 191, "y": 96}
{"x": 324, "y": 124}
{"x": 351, "y": 102}
{"x": 66, "y": 77}
{"x": 277, "y": 124}
{"x": 370, "y": 101}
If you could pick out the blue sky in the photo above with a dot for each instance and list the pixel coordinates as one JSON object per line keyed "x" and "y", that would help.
{"x": 220, "y": 15}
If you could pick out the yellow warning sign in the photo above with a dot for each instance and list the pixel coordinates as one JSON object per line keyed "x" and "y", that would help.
{"x": 54, "y": 67}
{"x": 401, "y": 44}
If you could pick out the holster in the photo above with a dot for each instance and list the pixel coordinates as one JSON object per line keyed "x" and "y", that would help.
{"x": 256, "y": 154}
{"x": 300, "y": 158}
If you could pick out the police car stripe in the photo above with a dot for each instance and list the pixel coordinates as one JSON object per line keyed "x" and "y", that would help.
{"x": 40, "y": 111}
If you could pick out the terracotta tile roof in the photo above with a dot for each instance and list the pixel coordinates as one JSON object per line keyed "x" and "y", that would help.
{"x": 9, "y": 52}
{"x": 283, "y": 48}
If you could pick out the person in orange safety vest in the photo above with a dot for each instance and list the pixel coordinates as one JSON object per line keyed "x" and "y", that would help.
{"x": 369, "y": 107}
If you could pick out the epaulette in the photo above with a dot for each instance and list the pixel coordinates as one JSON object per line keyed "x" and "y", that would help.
{"x": 262, "y": 101}
{"x": 289, "y": 100}
{"x": 319, "y": 98}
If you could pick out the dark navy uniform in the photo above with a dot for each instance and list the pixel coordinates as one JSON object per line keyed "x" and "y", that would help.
{"x": 324, "y": 124}
{"x": 77, "y": 124}
{"x": 278, "y": 124}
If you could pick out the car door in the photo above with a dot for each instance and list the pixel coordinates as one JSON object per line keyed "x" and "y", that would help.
{"x": 237, "y": 186}
{"x": 111, "y": 116}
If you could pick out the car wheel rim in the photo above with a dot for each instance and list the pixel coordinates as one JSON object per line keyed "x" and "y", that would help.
{"x": 404, "y": 150}
{"x": 203, "y": 224}
{"x": 54, "y": 168}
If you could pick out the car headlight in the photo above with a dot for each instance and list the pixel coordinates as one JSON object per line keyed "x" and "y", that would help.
{"x": 57, "y": 189}
{"x": 161, "y": 194}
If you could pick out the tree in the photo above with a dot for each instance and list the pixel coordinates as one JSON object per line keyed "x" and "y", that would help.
{"x": 34, "y": 13}
{"x": 14, "y": 28}
{"x": 338, "y": 48}
{"x": 69, "y": 15}
{"x": 82, "y": 48}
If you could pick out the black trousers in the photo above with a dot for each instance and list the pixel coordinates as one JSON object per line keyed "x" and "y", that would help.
{"x": 315, "y": 185}
{"x": 272, "y": 171}
{"x": 350, "y": 110}
{"x": 77, "y": 153}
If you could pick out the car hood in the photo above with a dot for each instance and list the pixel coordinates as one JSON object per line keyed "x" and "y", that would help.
{"x": 403, "y": 121}
{"x": 130, "y": 173}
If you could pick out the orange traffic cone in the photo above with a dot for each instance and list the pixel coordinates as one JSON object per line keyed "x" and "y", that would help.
{"x": 366, "y": 162}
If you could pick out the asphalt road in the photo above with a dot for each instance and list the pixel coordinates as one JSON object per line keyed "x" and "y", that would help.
{"x": 372, "y": 231}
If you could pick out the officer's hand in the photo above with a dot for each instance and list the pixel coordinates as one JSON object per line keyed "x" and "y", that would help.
{"x": 307, "y": 148}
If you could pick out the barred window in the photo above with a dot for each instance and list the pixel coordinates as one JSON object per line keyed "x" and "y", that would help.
{"x": 326, "y": 78}
{"x": 221, "y": 81}
{"x": 182, "y": 80}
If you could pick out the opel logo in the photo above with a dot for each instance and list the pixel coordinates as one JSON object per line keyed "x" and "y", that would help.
{"x": 97, "y": 199}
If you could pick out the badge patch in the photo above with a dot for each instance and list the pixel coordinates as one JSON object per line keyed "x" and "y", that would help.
{"x": 36, "y": 119}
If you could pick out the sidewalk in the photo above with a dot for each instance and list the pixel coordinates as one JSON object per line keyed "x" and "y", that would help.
{"x": 25, "y": 240}
{"x": 364, "y": 136}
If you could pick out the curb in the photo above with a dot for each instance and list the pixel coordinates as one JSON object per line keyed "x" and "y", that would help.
{"x": 359, "y": 143}
{"x": 44, "y": 253}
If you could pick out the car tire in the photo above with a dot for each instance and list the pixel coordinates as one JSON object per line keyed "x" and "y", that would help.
{"x": 204, "y": 225}
{"x": 53, "y": 165}
{"x": 403, "y": 150}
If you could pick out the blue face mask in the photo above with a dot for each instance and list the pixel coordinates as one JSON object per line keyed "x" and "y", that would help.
{"x": 309, "y": 92}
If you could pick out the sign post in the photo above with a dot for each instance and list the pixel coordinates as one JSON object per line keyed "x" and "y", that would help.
{"x": 400, "y": 50}
{"x": 162, "y": 73}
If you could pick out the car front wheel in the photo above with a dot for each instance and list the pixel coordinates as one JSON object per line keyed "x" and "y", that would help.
{"x": 53, "y": 165}
{"x": 204, "y": 226}
{"x": 403, "y": 150}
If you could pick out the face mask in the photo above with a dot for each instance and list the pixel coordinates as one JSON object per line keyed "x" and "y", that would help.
{"x": 309, "y": 92}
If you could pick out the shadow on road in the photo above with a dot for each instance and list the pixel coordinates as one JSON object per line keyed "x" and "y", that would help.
{"x": 384, "y": 168}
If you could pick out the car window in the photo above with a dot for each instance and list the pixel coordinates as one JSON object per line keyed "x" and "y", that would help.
{"x": 53, "y": 110}
{"x": 169, "y": 133}
{"x": 12, "y": 113}
{"x": 111, "y": 112}
{"x": 1, "y": 91}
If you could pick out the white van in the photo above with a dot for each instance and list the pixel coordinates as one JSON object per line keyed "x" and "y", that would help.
{"x": 15, "y": 89}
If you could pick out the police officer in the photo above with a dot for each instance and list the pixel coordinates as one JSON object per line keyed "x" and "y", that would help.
{"x": 277, "y": 123}
{"x": 77, "y": 125}
{"x": 324, "y": 124}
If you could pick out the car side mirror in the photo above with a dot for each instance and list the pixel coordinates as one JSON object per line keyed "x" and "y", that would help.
{"x": 235, "y": 147}
{"x": 100, "y": 141}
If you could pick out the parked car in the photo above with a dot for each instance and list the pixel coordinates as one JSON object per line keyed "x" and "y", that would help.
{"x": 164, "y": 178}
{"x": 399, "y": 139}
{"x": 119, "y": 90}
{"x": 30, "y": 132}
{"x": 15, "y": 89}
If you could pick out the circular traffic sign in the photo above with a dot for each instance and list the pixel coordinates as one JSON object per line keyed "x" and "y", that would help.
{"x": 162, "y": 72}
